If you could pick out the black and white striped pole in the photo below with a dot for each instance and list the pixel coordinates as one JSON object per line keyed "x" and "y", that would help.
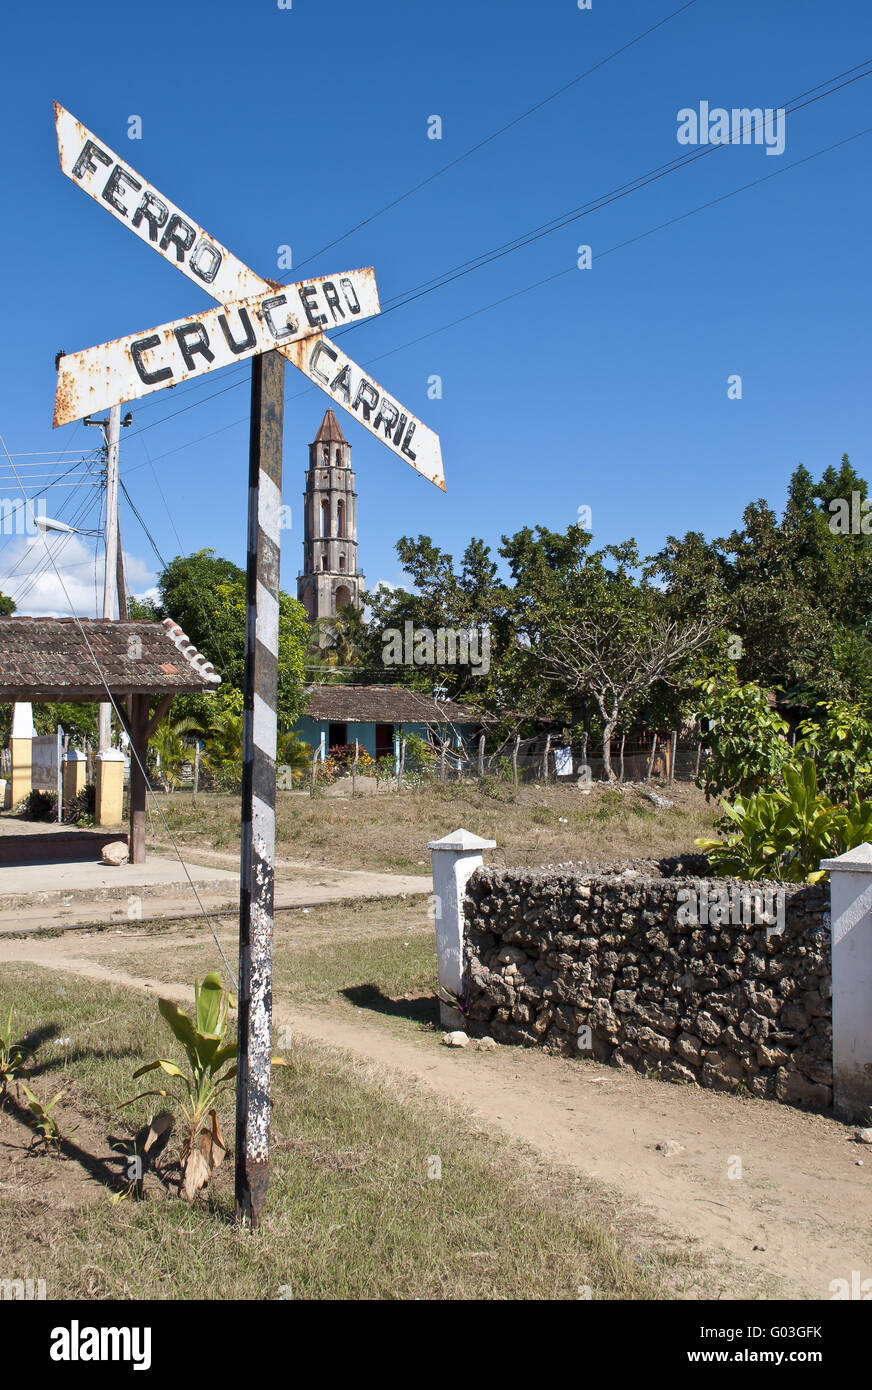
{"x": 259, "y": 787}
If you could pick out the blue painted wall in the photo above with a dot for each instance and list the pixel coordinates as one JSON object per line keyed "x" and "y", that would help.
{"x": 313, "y": 730}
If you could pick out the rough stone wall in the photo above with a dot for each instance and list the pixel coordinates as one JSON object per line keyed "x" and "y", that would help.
{"x": 555, "y": 951}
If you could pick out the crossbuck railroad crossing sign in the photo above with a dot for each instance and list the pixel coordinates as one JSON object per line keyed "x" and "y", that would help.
{"x": 264, "y": 314}
{"x": 266, "y": 321}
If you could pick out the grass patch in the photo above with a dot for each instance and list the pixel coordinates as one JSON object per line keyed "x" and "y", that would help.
{"x": 352, "y": 1211}
{"x": 355, "y": 954}
{"x": 532, "y": 824}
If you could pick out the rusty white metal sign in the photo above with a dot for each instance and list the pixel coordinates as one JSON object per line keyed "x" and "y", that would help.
{"x": 183, "y": 347}
{"x": 131, "y": 367}
{"x": 358, "y": 393}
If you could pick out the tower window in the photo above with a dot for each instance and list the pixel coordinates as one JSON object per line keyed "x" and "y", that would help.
{"x": 342, "y": 562}
{"x": 323, "y": 562}
{"x": 325, "y": 517}
{"x": 340, "y": 517}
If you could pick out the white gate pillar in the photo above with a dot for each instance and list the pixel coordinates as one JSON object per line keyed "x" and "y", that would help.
{"x": 851, "y": 914}
{"x": 455, "y": 858}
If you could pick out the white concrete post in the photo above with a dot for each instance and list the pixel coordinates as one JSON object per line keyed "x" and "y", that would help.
{"x": 21, "y": 743}
{"x": 851, "y": 914}
{"x": 455, "y": 857}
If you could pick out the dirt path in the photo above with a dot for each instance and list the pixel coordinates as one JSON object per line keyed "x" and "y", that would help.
{"x": 800, "y": 1211}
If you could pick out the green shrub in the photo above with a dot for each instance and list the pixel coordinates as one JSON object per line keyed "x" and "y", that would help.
{"x": 785, "y": 833}
{"x": 38, "y": 805}
{"x": 745, "y": 742}
{"x": 80, "y": 811}
{"x": 841, "y": 743}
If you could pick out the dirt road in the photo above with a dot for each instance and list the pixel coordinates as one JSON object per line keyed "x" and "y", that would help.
{"x": 783, "y": 1193}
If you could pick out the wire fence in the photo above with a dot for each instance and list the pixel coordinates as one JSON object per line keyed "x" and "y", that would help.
{"x": 670, "y": 756}
{"x": 667, "y": 757}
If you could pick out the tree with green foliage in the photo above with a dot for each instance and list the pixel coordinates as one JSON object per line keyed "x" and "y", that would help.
{"x": 205, "y": 595}
{"x": 468, "y": 600}
{"x": 795, "y": 590}
{"x": 593, "y": 630}
{"x": 338, "y": 644}
{"x": 744, "y": 737}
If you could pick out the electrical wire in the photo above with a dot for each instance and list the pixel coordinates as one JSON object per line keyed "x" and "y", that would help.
{"x": 563, "y": 220}
{"x": 452, "y": 164}
{"x": 526, "y": 289}
{"x": 133, "y": 751}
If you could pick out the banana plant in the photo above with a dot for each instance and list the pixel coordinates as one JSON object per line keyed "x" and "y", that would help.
{"x": 785, "y": 833}
{"x": 44, "y": 1121}
{"x": 211, "y": 1072}
{"x": 12, "y": 1057}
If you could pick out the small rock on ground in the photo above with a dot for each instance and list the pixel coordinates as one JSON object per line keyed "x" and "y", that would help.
{"x": 669, "y": 1147}
{"x": 457, "y": 1039}
{"x": 115, "y": 853}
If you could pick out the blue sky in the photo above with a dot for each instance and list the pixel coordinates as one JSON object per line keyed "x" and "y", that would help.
{"x": 605, "y": 388}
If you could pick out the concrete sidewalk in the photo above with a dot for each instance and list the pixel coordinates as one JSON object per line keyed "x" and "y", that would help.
{"x": 33, "y": 897}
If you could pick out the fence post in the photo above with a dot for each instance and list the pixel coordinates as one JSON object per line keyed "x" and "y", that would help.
{"x": 21, "y": 744}
{"x": 354, "y": 767}
{"x": 621, "y": 773}
{"x": 851, "y": 936}
{"x": 672, "y": 756}
{"x": 401, "y": 763}
{"x": 545, "y": 759}
{"x": 481, "y": 755}
{"x": 109, "y": 789}
{"x": 515, "y": 760}
{"x": 75, "y": 773}
{"x": 651, "y": 759}
{"x": 455, "y": 858}
{"x": 60, "y": 772}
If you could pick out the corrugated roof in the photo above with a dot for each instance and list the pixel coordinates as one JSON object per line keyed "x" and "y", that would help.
{"x": 330, "y": 431}
{"x": 48, "y": 659}
{"x": 384, "y": 704}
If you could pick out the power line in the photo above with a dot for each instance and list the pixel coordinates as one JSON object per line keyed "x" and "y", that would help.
{"x": 133, "y": 751}
{"x": 218, "y": 649}
{"x": 515, "y": 294}
{"x": 596, "y": 205}
{"x": 139, "y": 518}
{"x": 565, "y": 219}
{"x": 452, "y": 164}
{"x": 29, "y": 581}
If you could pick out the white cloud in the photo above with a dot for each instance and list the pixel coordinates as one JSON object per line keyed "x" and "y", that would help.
{"x": 29, "y": 578}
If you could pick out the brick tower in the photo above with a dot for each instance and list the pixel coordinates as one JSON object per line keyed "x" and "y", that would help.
{"x": 330, "y": 576}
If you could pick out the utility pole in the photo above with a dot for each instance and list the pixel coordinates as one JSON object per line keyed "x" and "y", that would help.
{"x": 104, "y": 721}
{"x": 113, "y": 576}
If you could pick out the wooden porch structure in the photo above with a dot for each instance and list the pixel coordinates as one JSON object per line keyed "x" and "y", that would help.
{"x": 68, "y": 659}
